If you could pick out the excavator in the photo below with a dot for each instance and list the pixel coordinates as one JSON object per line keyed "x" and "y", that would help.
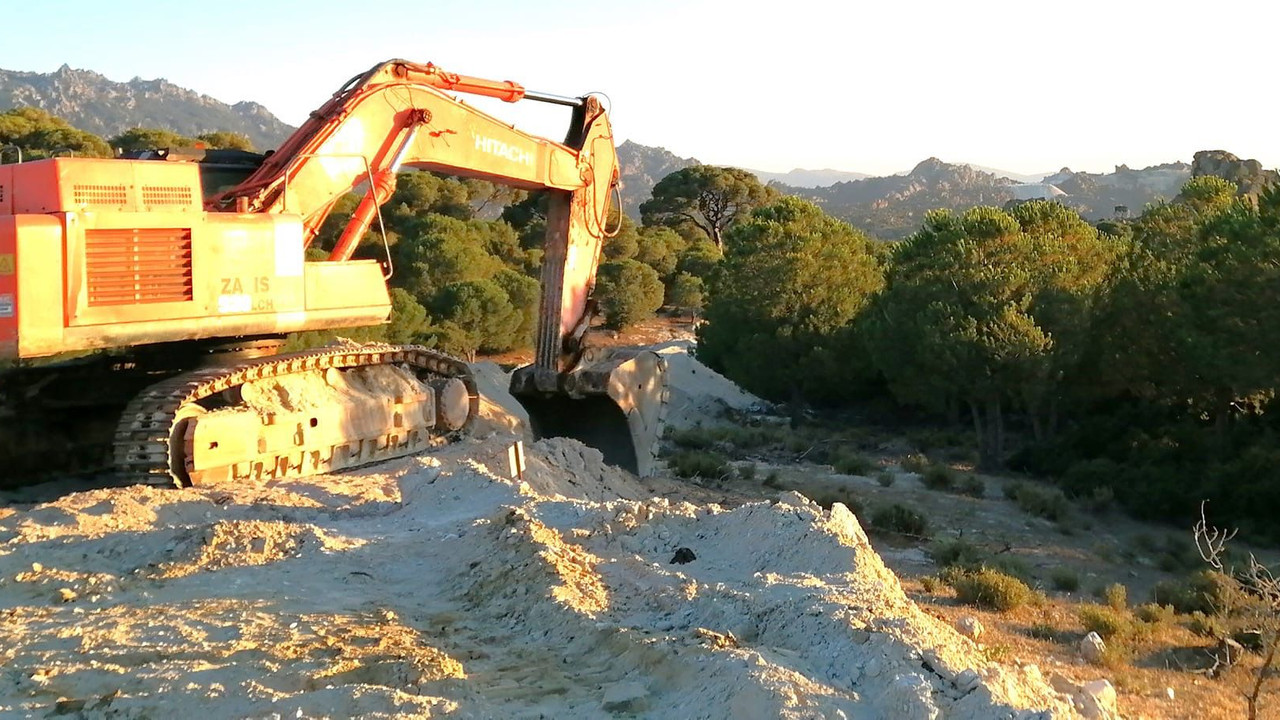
{"x": 165, "y": 286}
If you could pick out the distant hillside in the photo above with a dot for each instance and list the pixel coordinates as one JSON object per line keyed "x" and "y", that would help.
{"x": 642, "y": 166}
{"x": 104, "y": 107}
{"x": 1097, "y": 195}
{"x": 808, "y": 178}
{"x": 1016, "y": 177}
{"x": 893, "y": 207}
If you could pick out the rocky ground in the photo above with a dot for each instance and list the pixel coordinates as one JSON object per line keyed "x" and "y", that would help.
{"x": 440, "y": 586}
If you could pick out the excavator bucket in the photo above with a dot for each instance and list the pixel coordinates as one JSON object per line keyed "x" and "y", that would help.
{"x": 613, "y": 401}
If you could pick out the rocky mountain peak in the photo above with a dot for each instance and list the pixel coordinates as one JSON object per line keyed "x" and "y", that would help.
{"x": 1249, "y": 175}
{"x": 94, "y": 103}
{"x": 930, "y": 168}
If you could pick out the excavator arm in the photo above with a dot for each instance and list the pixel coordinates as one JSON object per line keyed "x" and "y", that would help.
{"x": 402, "y": 115}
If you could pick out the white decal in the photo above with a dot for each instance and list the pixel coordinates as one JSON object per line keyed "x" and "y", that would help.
{"x": 235, "y": 303}
{"x": 6, "y": 306}
{"x": 503, "y": 150}
{"x": 289, "y": 249}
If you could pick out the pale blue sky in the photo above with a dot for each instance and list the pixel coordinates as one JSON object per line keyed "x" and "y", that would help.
{"x": 873, "y": 87}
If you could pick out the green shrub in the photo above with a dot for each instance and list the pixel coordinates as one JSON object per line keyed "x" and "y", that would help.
{"x": 992, "y": 590}
{"x": 686, "y": 293}
{"x": 1106, "y": 621}
{"x": 931, "y": 584}
{"x": 1065, "y": 579}
{"x": 1210, "y": 626}
{"x": 957, "y": 553}
{"x": 747, "y": 471}
{"x": 1116, "y": 595}
{"x": 1179, "y": 555}
{"x": 1013, "y": 565}
{"x": 1204, "y": 591}
{"x": 773, "y": 480}
{"x": 1101, "y": 499}
{"x": 734, "y": 436}
{"x": 693, "y": 438}
{"x": 828, "y": 496}
{"x": 885, "y": 478}
{"x": 1086, "y": 476}
{"x": 1154, "y": 614}
{"x": 939, "y": 477}
{"x": 628, "y": 292}
{"x": 1048, "y": 503}
{"x": 916, "y": 463}
{"x": 1044, "y": 631}
{"x": 900, "y": 519}
{"x": 1011, "y": 489}
{"x": 699, "y": 463}
{"x": 848, "y": 462}
{"x": 973, "y": 486}
{"x": 796, "y": 444}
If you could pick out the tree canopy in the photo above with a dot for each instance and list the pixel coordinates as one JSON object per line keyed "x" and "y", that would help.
{"x": 791, "y": 282}
{"x": 707, "y": 198}
{"x": 39, "y": 134}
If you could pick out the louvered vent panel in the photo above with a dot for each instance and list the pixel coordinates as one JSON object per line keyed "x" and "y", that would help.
{"x": 112, "y": 195}
{"x": 153, "y": 195}
{"x": 1, "y": 193}
{"x": 134, "y": 267}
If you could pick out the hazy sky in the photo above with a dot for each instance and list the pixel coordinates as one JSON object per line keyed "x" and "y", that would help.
{"x": 874, "y": 87}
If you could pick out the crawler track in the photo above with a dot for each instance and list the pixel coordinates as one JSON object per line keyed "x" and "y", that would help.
{"x": 148, "y": 446}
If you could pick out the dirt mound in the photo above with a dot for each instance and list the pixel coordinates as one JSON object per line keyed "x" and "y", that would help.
{"x": 431, "y": 586}
{"x": 698, "y": 394}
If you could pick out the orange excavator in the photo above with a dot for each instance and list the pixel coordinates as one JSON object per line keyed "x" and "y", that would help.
{"x": 173, "y": 289}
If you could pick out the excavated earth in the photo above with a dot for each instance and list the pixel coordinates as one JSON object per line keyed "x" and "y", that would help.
{"x": 440, "y": 586}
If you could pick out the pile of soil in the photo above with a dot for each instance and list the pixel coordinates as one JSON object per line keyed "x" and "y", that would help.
{"x": 437, "y": 586}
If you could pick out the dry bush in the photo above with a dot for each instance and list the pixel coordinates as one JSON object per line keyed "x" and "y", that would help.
{"x": 991, "y": 589}
{"x": 1154, "y": 614}
{"x": 900, "y": 519}
{"x": 972, "y": 486}
{"x": 915, "y": 463}
{"x": 1116, "y": 595}
{"x": 849, "y": 462}
{"x": 1048, "y": 503}
{"x": 939, "y": 477}
{"x": 1252, "y": 602}
{"x": 931, "y": 584}
{"x": 700, "y": 463}
{"x": 1065, "y": 579}
{"x": 958, "y": 553}
{"x": 1108, "y": 622}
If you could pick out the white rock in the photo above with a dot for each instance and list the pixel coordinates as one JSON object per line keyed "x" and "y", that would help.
{"x": 1097, "y": 700}
{"x": 969, "y": 627}
{"x": 967, "y": 680}
{"x": 1092, "y": 648}
{"x": 1064, "y": 685}
{"x": 1168, "y": 692}
{"x": 627, "y": 696}
{"x": 909, "y": 697}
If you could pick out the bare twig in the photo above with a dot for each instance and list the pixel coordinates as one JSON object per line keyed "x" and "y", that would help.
{"x": 1261, "y": 599}
{"x": 1211, "y": 541}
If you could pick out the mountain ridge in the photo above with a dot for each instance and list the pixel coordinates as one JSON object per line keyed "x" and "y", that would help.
{"x": 92, "y": 102}
{"x": 888, "y": 207}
